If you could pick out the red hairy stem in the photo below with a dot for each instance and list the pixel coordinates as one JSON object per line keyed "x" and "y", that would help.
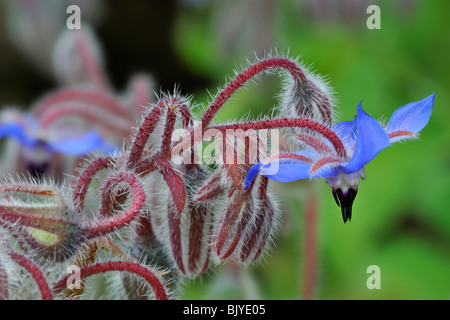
{"x": 87, "y": 112}
{"x": 98, "y": 98}
{"x": 174, "y": 106}
{"x": 85, "y": 180}
{"x": 242, "y": 78}
{"x": 324, "y": 161}
{"x": 107, "y": 243}
{"x": 145, "y": 130}
{"x": 92, "y": 229}
{"x": 36, "y": 273}
{"x": 84, "y": 257}
{"x": 314, "y": 143}
{"x": 290, "y": 122}
{"x": 89, "y": 253}
{"x": 149, "y": 124}
{"x": 166, "y": 139}
{"x": 121, "y": 266}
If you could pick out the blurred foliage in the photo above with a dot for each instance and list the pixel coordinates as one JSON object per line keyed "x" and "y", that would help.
{"x": 401, "y": 220}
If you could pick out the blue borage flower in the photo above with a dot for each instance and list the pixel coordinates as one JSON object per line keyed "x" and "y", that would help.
{"x": 363, "y": 138}
{"x": 78, "y": 144}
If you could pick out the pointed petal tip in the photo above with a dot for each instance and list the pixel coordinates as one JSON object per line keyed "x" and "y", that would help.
{"x": 412, "y": 117}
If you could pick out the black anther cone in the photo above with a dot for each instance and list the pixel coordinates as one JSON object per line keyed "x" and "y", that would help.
{"x": 345, "y": 201}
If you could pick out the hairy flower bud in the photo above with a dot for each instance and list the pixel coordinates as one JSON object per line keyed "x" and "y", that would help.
{"x": 263, "y": 225}
{"x": 232, "y": 224}
{"x": 188, "y": 234}
{"x": 42, "y": 219}
{"x": 308, "y": 96}
{"x": 246, "y": 224}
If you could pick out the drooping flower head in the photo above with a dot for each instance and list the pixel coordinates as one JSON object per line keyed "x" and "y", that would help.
{"x": 363, "y": 138}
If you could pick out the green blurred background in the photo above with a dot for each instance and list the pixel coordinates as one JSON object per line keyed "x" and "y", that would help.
{"x": 401, "y": 220}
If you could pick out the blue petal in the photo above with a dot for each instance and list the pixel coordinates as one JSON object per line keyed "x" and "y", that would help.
{"x": 329, "y": 170}
{"x": 371, "y": 139}
{"x": 346, "y": 131}
{"x": 251, "y": 174}
{"x": 282, "y": 170}
{"x": 286, "y": 170}
{"x": 83, "y": 145}
{"x": 412, "y": 117}
{"x": 14, "y": 130}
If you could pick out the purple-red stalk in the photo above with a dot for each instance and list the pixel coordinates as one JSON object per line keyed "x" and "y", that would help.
{"x": 242, "y": 78}
{"x": 36, "y": 273}
{"x": 121, "y": 266}
{"x": 92, "y": 229}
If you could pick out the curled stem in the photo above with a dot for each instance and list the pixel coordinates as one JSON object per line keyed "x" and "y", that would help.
{"x": 280, "y": 63}
{"x": 136, "y": 268}
{"x": 36, "y": 273}
{"x": 290, "y": 122}
{"x": 92, "y": 229}
{"x": 85, "y": 179}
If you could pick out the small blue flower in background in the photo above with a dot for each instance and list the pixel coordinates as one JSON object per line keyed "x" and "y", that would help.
{"x": 77, "y": 145}
{"x": 363, "y": 138}
{"x": 40, "y": 144}
{"x": 84, "y": 115}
